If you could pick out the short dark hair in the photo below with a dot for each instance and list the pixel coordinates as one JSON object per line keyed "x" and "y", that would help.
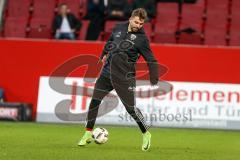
{"x": 139, "y": 12}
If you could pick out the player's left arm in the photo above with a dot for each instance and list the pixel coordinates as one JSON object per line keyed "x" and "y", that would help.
{"x": 110, "y": 39}
{"x": 152, "y": 63}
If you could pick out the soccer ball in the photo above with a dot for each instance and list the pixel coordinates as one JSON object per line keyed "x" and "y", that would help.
{"x": 100, "y": 135}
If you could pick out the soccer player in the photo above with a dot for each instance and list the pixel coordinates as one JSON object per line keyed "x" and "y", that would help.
{"x": 126, "y": 44}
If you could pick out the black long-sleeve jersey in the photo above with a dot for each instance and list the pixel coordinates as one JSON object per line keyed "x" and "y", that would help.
{"x": 123, "y": 49}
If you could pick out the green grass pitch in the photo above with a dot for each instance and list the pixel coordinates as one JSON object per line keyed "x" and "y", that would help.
{"x": 34, "y": 141}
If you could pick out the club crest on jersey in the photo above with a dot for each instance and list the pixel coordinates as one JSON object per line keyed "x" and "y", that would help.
{"x": 133, "y": 36}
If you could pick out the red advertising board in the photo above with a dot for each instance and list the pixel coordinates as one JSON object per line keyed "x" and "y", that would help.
{"x": 22, "y": 62}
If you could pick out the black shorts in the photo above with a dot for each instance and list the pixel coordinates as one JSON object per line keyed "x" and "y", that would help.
{"x": 124, "y": 89}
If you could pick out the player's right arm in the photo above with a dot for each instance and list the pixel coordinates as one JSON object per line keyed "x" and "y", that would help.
{"x": 148, "y": 56}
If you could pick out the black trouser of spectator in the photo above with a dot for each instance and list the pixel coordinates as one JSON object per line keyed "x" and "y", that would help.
{"x": 95, "y": 26}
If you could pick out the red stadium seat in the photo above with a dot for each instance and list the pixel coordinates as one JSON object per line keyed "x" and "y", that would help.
{"x": 215, "y": 39}
{"x": 235, "y": 8}
{"x": 167, "y": 13}
{"x": 15, "y": 27}
{"x": 83, "y": 31}
{"x": 235, "y": 36}
{"x": 18, "y": 8}
{"x": 217, "y": 10}
{"x": 164, "y": 34}
{"x": 73, "y": 5}
{"x": 166, "y": 23}
{"x": 44, "y": 9}
{"x": 192, "y": 16}
{"x": 40, "y": 28}
{"x": 41, "y": 22}
{"x": 109, "y": 25}
{"x": 1, "y": 32}
{"x": 235, "y": 30}
{"x": 148, "y": 30}
{"x": 164, "y": 38}
{"x": 217, "y": 22}
{"x": 40, "y": 33}
{"x": 235, "y": 24}
{"x": 215, "y": 4}
{"x": 215, "y": 35}
{"x": 235, "y": 3}
{"x": 193, "y": 38}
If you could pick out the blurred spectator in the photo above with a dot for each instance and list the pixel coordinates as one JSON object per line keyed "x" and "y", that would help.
{"x": 1, "y": 95}
{"x": 117, "y": 10}
{"x": 148, "y": 5}
{"x": 65, "y": 24}
{"x": 95, "y": 13}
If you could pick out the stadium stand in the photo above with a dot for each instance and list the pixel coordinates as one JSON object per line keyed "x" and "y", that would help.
{"x": 83, "y": 31}
{"x": 109, "y": 25}
{"x": 18, "y": 9}
{"x": 148, "y": 30}
{"x": 166, "y": 23}
{"x": 235, "y": 24}
{"x": 216, "y": 23}
{"x": 192, "y": 17}
{"x": 208, "y": 22}
{"x": 43, "y": 9}
{"x": 40, "y": 28}
{"x": 13, "y": 30}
